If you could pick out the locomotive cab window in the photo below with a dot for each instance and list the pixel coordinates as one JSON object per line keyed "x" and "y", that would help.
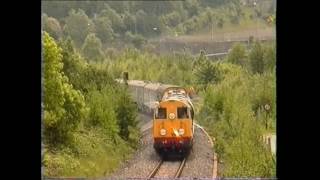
{"x": 161, "y": 113}
{"x": 183, "y": 113}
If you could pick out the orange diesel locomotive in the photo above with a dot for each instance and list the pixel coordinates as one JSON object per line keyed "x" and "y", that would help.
{"x": 173, "y": 122}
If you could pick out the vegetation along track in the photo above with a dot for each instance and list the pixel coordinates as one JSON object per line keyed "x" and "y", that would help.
{"x": 171, "y": 169}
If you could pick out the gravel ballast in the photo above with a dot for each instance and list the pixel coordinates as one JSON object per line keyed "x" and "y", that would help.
{"x": 199, "y": 163}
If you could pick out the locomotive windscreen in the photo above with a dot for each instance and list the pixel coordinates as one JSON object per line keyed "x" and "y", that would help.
{"x": 182, "y": 112}
{"x": 161, "y": 113}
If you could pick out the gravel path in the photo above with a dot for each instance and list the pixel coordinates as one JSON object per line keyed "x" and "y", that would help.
{"x": 200, "y": 160}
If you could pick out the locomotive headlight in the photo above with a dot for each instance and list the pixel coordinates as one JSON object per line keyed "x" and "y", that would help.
{"x": 172, "y": 116}
{"x": 163, "y": 132}
{"x": 181, "y": 131}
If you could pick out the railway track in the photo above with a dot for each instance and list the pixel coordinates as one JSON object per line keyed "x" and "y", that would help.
{"x": 171, "y": 169}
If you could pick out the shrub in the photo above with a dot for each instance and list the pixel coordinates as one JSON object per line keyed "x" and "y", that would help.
{"x": 256, "y": 59}
{"x": 237, "y": 55}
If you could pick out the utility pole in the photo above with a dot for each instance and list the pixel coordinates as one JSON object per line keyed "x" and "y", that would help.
{"x": 212, "y": 31}
{"x": 125, "y": 78}
{"x": 135, "y": 26}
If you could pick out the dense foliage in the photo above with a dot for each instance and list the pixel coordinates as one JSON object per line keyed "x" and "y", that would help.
{"x": 86, "y": 115}
{"x": 64, "y": 106}
{"x": 112, "y": 20}
{"x": 240, "y": 108}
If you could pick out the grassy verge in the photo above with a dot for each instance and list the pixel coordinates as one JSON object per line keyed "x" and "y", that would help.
{"x": 91, "y": 155}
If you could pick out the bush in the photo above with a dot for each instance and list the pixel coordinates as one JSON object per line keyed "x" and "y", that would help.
{"x": 93, "y": 155}
{"x": 89, "y": 120}
{"x": 102, "y": 112}
{"x": 256, "y": 59}
{"x": 58, "y": 163}
{"x": 237, "y": 55}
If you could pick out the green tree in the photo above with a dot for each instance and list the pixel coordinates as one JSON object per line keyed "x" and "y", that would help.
{"x": 95, "y": 77}
{"x": 103, "y": 29}
{"x": 237, "y": 55}
{"x": 57, "y": 9}
{"x": 202, "y": 58}
{"x": 192, "y": 7}
{"x": 102, "y": 111}
{"x": 205, "y": 71}
{"x": 126, "y": 114}
{"x": 91, "y": 48}
{"x": 189, "y": 25}
{"x": 256, "y": 58}
{"x": 235, "y": 12}
{"x": 78, "y": 26}
{"x": 152, "y": 25}
{"x": 220, "y": 22}
{"x": 83, "y": 76}
{"x": 137, "y": 40}
{"x": 73, "y": 64}
{"x": 172, "y": 19}
{"x": 114, "y": 17}
{"x": 141, "y": 26}
{"x": 52, "y": 26}
{"x": 212, "y": 18}
{"x": 64, "y": 107}
{"x": 129, "y": 21}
